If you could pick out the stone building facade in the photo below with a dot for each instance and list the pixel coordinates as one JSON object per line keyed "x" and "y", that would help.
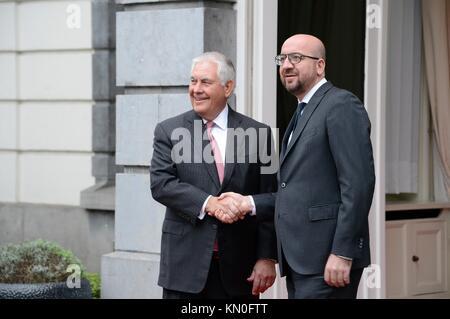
{"x": 57, "y": 133}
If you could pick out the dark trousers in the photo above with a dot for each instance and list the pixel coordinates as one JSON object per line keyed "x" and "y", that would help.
{"x": 213, "y": 289}
{"x": 314, "y": 286}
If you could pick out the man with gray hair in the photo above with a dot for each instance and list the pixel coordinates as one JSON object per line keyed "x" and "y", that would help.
{"x": 211, "y": 247}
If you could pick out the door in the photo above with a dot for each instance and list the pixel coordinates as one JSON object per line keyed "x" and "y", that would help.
{"x": 341, "y": 25}
{"x": 396, "y": 259}
{"x": 427, "y": 257}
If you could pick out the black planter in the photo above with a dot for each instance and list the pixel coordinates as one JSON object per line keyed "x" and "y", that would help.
{"x": 58, "y": 290}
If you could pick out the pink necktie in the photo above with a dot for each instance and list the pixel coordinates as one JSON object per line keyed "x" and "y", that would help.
{"x": 216, "y": 152}
{"x": 218, "y": 160}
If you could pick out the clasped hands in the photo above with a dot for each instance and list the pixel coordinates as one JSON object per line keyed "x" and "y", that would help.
{"x": 229, "y": 207}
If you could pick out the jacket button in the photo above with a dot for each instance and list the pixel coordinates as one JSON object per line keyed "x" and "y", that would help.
{"x": 214, "y": 226}
{"x": 283, "y": 185}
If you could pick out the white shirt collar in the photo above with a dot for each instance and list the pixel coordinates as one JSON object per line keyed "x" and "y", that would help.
{"x": 221, "y": 120}
{"x": 310, "y": 94}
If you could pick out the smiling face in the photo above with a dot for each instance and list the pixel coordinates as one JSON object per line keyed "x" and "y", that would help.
{"x": 300, "y": 78}
{"x": 208, "y": 95}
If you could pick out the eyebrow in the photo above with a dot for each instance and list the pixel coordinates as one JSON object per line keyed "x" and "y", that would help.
{"x": 202, "y": 79}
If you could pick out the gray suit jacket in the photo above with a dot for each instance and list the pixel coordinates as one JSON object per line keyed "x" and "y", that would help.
{"x": 187, "y": 242}
{"x": 326, "y": 183}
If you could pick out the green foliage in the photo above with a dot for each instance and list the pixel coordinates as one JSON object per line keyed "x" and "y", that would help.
{"x": 94, "y": 280}
{"x": 36, "y": 261}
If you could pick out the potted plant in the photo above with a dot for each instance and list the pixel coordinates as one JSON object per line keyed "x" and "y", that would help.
{"x": 41, "y": 269}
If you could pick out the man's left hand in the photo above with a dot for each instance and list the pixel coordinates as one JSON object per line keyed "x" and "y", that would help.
{"x": 337, "y": 271}
{"x": 263, "y": 276}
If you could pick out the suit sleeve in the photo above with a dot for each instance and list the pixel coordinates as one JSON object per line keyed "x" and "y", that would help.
{"x": 265, "y": 206}
{"x": 348, "y": 129}
{"x": 167, "y": 189}
{"x": 267, "y": 241}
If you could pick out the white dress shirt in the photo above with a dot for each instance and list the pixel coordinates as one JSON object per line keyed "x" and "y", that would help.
{"x": 219, "y": 131}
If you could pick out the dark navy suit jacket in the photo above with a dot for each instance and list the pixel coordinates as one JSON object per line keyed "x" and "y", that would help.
{"x": 325, "y": 185}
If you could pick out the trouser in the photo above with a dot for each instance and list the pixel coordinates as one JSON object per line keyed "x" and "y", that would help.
{"x": 213, "y": 289}
{"x": 314, "y": 286}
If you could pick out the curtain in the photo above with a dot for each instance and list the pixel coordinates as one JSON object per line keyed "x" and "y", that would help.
{"x": 403, "y": 96}
{"x": 436, "y": 35}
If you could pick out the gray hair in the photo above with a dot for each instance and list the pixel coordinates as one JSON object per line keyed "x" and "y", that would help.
{"x": 225, "y": 68}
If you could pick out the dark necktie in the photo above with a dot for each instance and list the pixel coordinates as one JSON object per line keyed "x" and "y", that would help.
{"x": 298, "y": 115}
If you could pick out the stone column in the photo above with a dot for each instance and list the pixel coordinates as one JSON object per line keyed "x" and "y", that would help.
{"x": 155, "y": 41}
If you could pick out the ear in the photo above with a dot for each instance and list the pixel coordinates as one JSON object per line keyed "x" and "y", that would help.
{"x": 229, "y": 87}
{"x": 320, "y": 67}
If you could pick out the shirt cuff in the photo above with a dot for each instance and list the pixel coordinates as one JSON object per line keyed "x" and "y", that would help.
{"x": 253, "y": 213}
{"x": 202, "y": 212}
{"x": 346, "y": 258}
{"x": 272, "y": 260}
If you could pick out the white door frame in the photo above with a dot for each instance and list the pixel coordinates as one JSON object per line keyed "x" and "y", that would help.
{"x": 373, "y": 283}
{"x": 256, "y": 90}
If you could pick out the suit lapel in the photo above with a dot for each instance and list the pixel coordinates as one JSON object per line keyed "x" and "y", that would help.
{"x": 194, "y": 123}
{"x": 231, "y": 149}
{"x": 303, "y": 120}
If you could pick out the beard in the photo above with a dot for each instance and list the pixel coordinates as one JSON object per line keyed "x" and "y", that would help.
{"x": 293, "y": 86}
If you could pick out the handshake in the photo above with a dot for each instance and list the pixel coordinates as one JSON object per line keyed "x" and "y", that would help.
{"x": 229, "y": 207}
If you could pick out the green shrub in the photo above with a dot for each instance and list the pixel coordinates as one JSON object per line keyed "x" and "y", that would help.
{"x": 36, "y": 261}
{"x": 94, "y": 280}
